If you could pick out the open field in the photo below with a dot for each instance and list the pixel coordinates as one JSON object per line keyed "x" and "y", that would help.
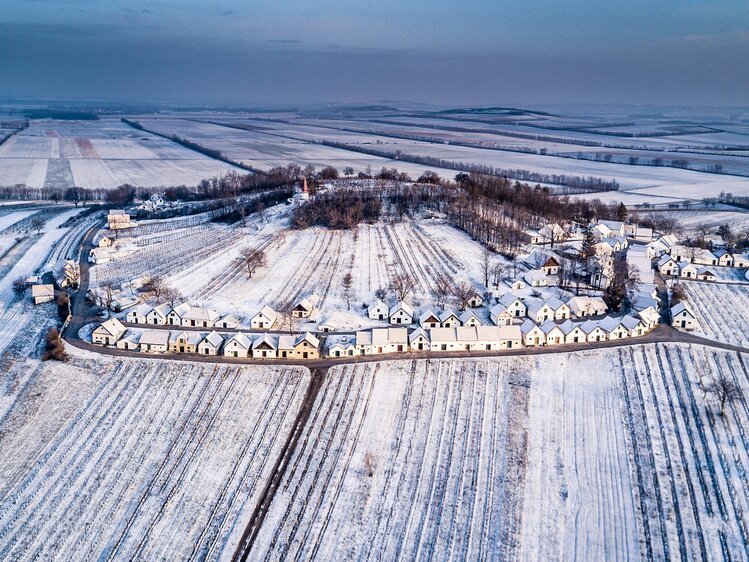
{"x": 139, "y": 459}
{"x": 99, "y": 154}
{"x": 586, "y": 456}
{"x": 721, "y": 310}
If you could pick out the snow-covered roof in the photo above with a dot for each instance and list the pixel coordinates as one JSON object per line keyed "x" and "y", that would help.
{"x": 418, "y": 333}
{"x": 112, "y": 326}
{"x": 214, "y": 338}
{"x": 680, "y": 307}
{"x": 404, "y": 306}
{"x": 265, "y": 339}
{"x": 154, "y": 337}
{"x": 241, "y": 340}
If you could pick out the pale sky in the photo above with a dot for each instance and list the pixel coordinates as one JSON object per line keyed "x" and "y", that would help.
{"x": 442, "y": 52}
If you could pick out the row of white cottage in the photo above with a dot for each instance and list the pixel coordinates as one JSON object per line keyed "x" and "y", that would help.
{"x": 492, "y": 338}
{"x": 265, "y": 346}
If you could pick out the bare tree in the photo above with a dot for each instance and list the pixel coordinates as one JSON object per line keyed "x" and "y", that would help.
{"x": 348, "y": 171}
{"x": 250, "y": 259}
{"x": 724, "y": 389}
{"x": 498, "y": 271}
{"x": 348, "y": 282}
{"x": 463, "y": 293}
{"x": 172, "y": 296}
{"x": 37, "y": 223}
{"x": 402, "y": 285}
{"x": 286, "y": 317}
{"x": 443, "y": 288}
{"x": 370, "y": 463}
{"x": 155, "y": 286}
{"x": 107, "y": 296}
{"x": 486, "y": 265}
{"x": 381, "y": 293}
{"x": 19, "y": 286}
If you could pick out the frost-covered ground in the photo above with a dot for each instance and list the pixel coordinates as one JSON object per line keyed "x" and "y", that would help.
{"x": 136, "y": 459}
{"x": 721, "y": 310}
{"x": 607, "y": 455}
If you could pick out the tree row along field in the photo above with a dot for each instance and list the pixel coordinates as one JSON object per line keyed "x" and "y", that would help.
{"x": 153, "y": 460}
{"x": 721, "y": 310}
{"x": 585, "y": 456}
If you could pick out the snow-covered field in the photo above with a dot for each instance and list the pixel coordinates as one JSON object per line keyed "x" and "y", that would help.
{"x": 607, "y": 455}
{"x": 721, "y": 310}
{"x": 137, "y": 459}
{"x": 99, "y": 154}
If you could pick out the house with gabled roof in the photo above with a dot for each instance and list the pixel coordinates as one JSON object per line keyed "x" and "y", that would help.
{"x": 683, "y": 317}
{"x": 402, "y": 314}
{"x": 239, "y": 345}
{"x": 649, "y": 318}
{"x": 448, "y": 319}
{"x": 307, "y": 346}
{"x": 211, "y": 344}
{"x": 666, "y": 265}
{"x": 200, "y": 316}
{"x": 418, "y": 340}
{"x": 537, "y": 310}
{"x": 561, "y": 309}
{"x": 614, "y": 328}
{"x": 138, "y": 314}
{"x": 510, "y": 337}
{"x": 342, "y": 347}
{"x": 725, "y": 258}
{"x": 533, "y": 335}
{"x": 476, "y": 300}
{"x": 593, "y": 331}
{"x": 107, "y": 333}
{"x": 500, "y": 315}
{"x": 536, "y": 278}
{"x": 42, "y": 293}
{"x": 264, "y": 347}
{"x": 154, "y": 341}
{"x": 582, "y": 307}
{"x": 184, "y": 342}
{"x": 551, "y": 266}
{"x": 429, "y": 320}
{"x": 514, "y": 305}
{"x": 705, "y": 274}
{"x": 633, "y": 325}
{"x": 469, "y": 319}
{"x": 286, "y": 343}
{"x": 572, "y": 332}
{"x": 158, "y": 315}
{"x": 378, "y": 310}
{"x": 265, "y": 319}
{"x": 228, "y": 322}
{"x": 552, "y": 332}
{"x": 302, "y": 309}
{"x": 443, "y": 339}
{"x": 174, "y": 318}
{"x": 130, "y": 341}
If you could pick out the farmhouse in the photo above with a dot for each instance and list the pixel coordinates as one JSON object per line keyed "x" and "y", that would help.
{"x": 378, "y": 310}
{"x": 200, "y": 316}
{"x": 286, "y": 344}
{"x": 307, "y": 346}
{"x": 184, "y": 342}
{"x": 302, "y": 309}
{"x": 587, "y": 306}
{"x": 429, "y": 320}
{"x": 402, "y": 313}
{"x": 42, "y": 293}
{"x": 107, "y": 333}
{"x": 211, "y": 344}
{"x": 174, "y": 318}
{"x": 448, "y": 319}
{"x": 238, "y": 345}
{"x": 418, "y": 340}
{"x": 510, "y": 337}
{"x": 154, "y": 341}
{"x": 683, "y": 317}
{"x": 724, "y": 258}
{"x": 264, "y": 320}
{"x": 705, "y": 274}
{"x": 533, "y": 335}
{"x": 138, "y": 314}
{"x": 264, "y": 347}
{"x": 469, "y": 319}
{"x": 688, "y": 270}
{"x": 158, "y": 315}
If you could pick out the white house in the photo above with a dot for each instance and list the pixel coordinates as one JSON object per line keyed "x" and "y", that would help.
{"x": 342, "y": 347}
{"x": 536, "y": 278}
{"x": 683, "y": 317}
{"x": 378, "y": 310}
{"x": 130, "y": 341}
{"x": 158, "y": 315}
{"x": 469, "y": 319}
{"x": 429, "y": 320}
{"x": 514, "y": 305}
{"x": 238, "y": 346}
{"x": 448, "y": 319}
{"x": 537, "y": 310}
{"x": 443, "y": 339}
{"x": 118, "y": 219}
{"x": 609, "y": 229}
{"x": 184, "y": 342}
{"x": 264, "y": 320}
{"x": 551, "y": 266}
{"x": 561, "y": 309}
{"x": 107, "y": 333}
{"x": 156, "y": 341}
{"x": 98, "y": 256}
{"x": 614, "y": 328}
{"x": 42, "y": 293}
{"x": 705, "y": 274}
{"x": 593, "y": 332}
{"x": 286, "y": 343}
{"x": 688, "y": 270}
{"x": 302, "y": 309}
{"x": 228, "y": 322}
{"x": 174, "y": 318}
{"x": 724, "y": 257}
{"x": 383, "y": 340}
{"x": 572, "y": 332}
{"x": 510, "y": 337}
{"x": 200, "y": 316}
{"x": 741, "y": 260}
{"x": 500, "y": 315}
{"x": 476, "y": 301}
{"x": 533, "y": 335}
{"x": 552, "y": 333}
{"x": 264, "y": 347}
{"x": 402, "y": 314}
{"x": 211, "y": 344}
{"x": 138, "y": 314}
{"x": 667, "y": 265}
{"x": 418, "y": 340}
{"x": 649, "y": 318}
{"x": 587, "y": 306}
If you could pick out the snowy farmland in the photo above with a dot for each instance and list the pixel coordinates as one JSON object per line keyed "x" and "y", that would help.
{"x": 585, "y": 456}
{"x": 139, "y": 459}
{"x": 721, "y": 310}
{"x": 99, "y": 154}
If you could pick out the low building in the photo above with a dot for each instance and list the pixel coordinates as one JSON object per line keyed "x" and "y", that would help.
{"x": 42, "y": 293}
{"x": 158, "y": 315}
{"x": 553, "y": 334}
{"x": 130, "y": 341}
{"x": 211, "y": 344}
{"x": 378, "y": 310}
{"x": 572, "y": 332}
{"x": 98, "y": 256}
{"x": 537, "y": 310}
{"x": 200, "y": 317}
{"x": 264, "y": 347}
{"x": 419, "y": 340}
{"x": 666, "y": 265}
{"x": 302, "y": 309}
{"x": 683, "y": 317}
{"x": 593, "y": 331}
{"x": 402, "y": 314}
{"x": 500, "y": 315}
{"x": 429, "y": 320}
{"x": 561, "y": 309}
{"x": 469, "y": 319}
{"x": 536, "y": 278}
{"x": 443, "y": 339}
{"x": 184, "y": 342}
{"x": 228, "y": 322}
{"x": 476, "y": 301}
{"x": 514, "y": 305}
{"x": 649, "y": 318}
{"x": 108, "y": 333}
{"x": 264, "y": 320}
{"x": 307, "y": 346}
{"x": 138, "y": 314}
{"x": 633, "y": 325}
{"x": 175, "y": 316}
{"x": 239, "y": 345}
{"x": 342, "y": 347}
{"x": 533, "y": 335}
{"x": 154, "y": 341}
{"x": 582, "y": 307}
{"x": 614, "y": 328}
{"x": 551, "y": 266}
{"x": 448, "y": 319}
{"x": 118, "y": 219}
